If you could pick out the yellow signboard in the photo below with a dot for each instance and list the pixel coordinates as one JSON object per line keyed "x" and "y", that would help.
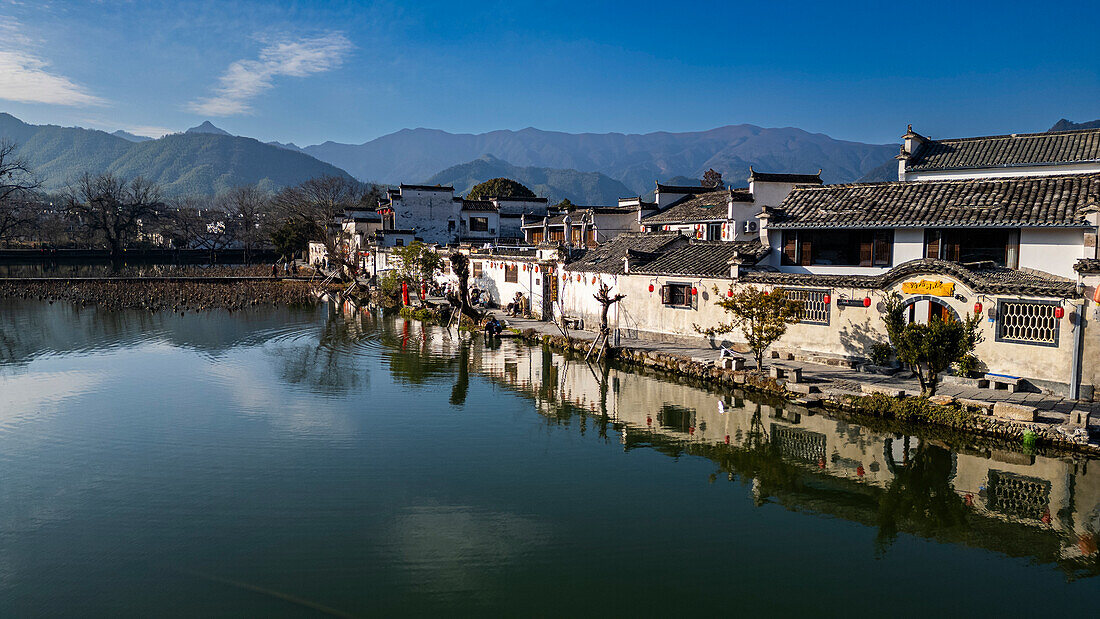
{"x": 929, "y": 286}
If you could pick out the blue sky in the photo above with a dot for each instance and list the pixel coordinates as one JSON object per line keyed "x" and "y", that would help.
{"x": 351, "y": 71}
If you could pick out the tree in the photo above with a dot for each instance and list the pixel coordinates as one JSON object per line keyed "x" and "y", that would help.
{"x": 564, "y": 205}
{"x": 499, "y": 188}
{"x": 929, "y": 349}
{"x": 419, "y": 265}
{"x": 712, "y": 178}
{"x": 245, "y": 208}
{"x": 604, "y": 297}
{"x": 761, "y": 316}
{"x": 291, "y": 237}
{"x": 317, "y": 206}
{"x": 460, "y": 264}
{"x": 17, "y": 184}
{"x": 111, "y": 209}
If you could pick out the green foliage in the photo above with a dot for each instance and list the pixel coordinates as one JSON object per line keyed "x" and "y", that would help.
{"x": 761, "y": 316}
{"x": 419, "y": 265}
{"x": 292, "y": 237}
{"x": 564, "y": 205}
{"x": 500, "y": 188}
{"x": 929, "y": 349}
{"x": 882, "y": 353}
{"x": 968, "y": 365}
{"x": 1029, "y": 440}
{"x": 915, "y": 410}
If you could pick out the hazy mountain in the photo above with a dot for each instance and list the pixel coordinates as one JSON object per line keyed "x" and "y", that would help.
{"x": 586, "y": 188}
{"x": 636, "y": 160}
{"x": 207, "y": 127}
{"x": 288, "y": 145}
{"x": 126, "y": 135}
{"x": 182, "y": 163}
{"x": 1069, "y": 125}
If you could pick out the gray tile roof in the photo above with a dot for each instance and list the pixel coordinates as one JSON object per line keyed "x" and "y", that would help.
{"x": 427, "y": 187}
{"x": 685, "y": 188}
{"x": 1005, "y": 202}
{"x": 478, "y": 205}
{"x": 709, "y": 206}
{"x": 702, "y": 258}
{"x": 1003, "y": 151}
{"x": 1087, "y": 265}
{"x": 984, "y": 278}
{"x": 765, "y": 177}
{"x": 608, "y": 258}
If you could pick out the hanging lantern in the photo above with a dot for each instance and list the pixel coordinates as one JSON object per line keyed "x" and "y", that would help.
{"x": 977, "y": 308}
{"x": 866, "y": 301}
{"x": 651, "y": 287}
{"x": 1096, "y": 294}
{"x": 536, "y": 269}
{"x": 729, "y": 293}
{"x": 827, "y": 299}
{"x": 727, "y": 439}
{"x": 859, "y": 470}
{"x": 593, "y": 280}
{"x": 694, "y": 290}
{"x": 1059, "y": 312}
{"x": 767, "y": 292}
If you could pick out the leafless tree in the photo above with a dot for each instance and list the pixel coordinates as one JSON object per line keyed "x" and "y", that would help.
{"x": 112, "y": 209}
{"x": 17, "y": 186}
{"x": 245, "y": 208}
{"x": 712, "y": 178}
{"x": 318, "y": 204}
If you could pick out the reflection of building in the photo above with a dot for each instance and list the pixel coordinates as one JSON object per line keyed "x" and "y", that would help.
{"x": 1045, "y": 507}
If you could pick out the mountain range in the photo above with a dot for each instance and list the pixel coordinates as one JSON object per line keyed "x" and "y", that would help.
{"x": 635, "y": 160}
{"x": 194, "y": 163}
{"x": 556, "y": 184}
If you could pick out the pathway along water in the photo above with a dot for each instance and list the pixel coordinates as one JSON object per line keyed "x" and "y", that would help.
{"x": 297, "y": 462}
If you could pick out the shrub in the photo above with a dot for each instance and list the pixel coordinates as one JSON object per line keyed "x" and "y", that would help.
{"x": 882, "y": 353}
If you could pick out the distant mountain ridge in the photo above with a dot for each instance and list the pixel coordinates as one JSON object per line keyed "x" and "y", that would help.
{"x": 195, "y": 163}
{"x": 636, "y": 160}
{"x": 586, "y": 188}
{"x": 1069, "y": 125}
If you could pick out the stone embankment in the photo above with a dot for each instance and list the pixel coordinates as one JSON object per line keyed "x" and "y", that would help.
{"x": 1016, "y": 423}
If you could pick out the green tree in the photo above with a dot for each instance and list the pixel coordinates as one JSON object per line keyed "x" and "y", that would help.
{"x": 564, "y": 205}
{"x": 419, "y": 264}
{"x": 291, "y": 237}
{"x": 499, "y": 188}
{"x": 929, "y": 349}
{"x": 761, "y": 316}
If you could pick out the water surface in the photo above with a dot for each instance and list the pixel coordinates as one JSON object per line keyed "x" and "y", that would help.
{"x": 313, "y": 462}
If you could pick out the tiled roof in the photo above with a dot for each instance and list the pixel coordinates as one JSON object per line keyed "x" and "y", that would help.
{"x": 709, "y": 206}
{"x": 983, "y": 278}
{"x": 515, "y": 199}
{"x": 686, "y": 189}
{"x": 478, "y": 205}
{"x": 427, "y": 187}
{"x": 1087, "y": 265}
{"x": 1039, "y": 201}
{"x": 703, "y": 258}
{"x": 1003, "y": 151}
{"x": 765, "y": 177}
{"x": 608, "y": 258}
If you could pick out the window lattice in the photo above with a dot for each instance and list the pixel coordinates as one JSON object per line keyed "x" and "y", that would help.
{"x": 1029, "y": 323}
{"x": 814, "y": 309}
{"x": 799, "y": 444}
{"x": 1017, "y": 495}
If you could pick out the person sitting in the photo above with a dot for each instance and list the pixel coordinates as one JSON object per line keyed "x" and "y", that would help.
{"x": 493, "y": 328}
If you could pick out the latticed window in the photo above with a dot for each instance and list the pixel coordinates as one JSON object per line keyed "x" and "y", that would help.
{"x": 1018, "y": 495}
{"x": 1027, "y": 323}
{"x": 815, "y": 310}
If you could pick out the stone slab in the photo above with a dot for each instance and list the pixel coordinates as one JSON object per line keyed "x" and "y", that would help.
{"x": 803, "y": 388}
{"x": 1014, "y": 411}
{"x": 893, "y": 392}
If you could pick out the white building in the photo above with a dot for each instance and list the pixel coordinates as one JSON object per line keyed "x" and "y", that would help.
{"x": 438, "y": 216}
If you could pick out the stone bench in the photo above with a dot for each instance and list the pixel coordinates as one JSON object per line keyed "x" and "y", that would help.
{"x": 1003, "y": 381}
{"x": 789, "y": 372}
{"x": 572, "y": 322}
{"x": 730, "y": 360}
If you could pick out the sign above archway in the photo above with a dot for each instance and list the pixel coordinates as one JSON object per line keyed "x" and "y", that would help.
{"x": 929, "y": 286}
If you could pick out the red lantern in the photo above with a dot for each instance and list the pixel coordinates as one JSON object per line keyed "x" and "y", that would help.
{"x": 866, "y": 301}
{"x": 1059, "y": 312}
{"x": 729, "y": 293}
{"x": 536, "y": 269}
{"x": 727, "y": 439}
{"x": 859, "y": 470}
{"x": 977, "y": 308}
{"x": 827, "y": 299}
{"x": 767, "y": 292}
{"x": 694, "y": 290}
{"x": 651, "y": 287}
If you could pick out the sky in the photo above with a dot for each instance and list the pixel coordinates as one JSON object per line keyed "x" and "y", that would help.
{"x": 309, "y": 72}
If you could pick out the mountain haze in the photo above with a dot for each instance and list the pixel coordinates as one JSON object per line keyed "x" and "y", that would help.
{"x": 182, "y": 163}
{"x": 580, "y": 187}
{"x": 636, "y": 160}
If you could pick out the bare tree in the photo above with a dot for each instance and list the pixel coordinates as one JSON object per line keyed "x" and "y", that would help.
{"x": 319, "y": 204}
{"x": 604, "y": 297}
{"x": 17, "y": 185}
{"x": 245, "y": 208}
{"x": 712, "y": 178}
{"x": 112, "y": 209}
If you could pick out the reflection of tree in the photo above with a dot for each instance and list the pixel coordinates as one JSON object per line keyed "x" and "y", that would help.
{"x": 410, "y": 357}
{"x": 462, "y": 383}
{"x": 330, "y": 366}
{"x": 920, "y": 496}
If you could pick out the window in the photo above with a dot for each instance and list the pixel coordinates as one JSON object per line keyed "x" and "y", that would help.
{"x": 677, "y": 295}
{"x": 399, "y": 242}
{"x": 864, "y": 248}
{"x": 1000, "y": 246}
{"x": 1027, "y": 322}
{"x": 450, "y": 225}
{"x": 475, "y": 269}
{"x": 479, "y": 224}
{"x": 557, "y": 236}
{"x": 714, "y": 232}
{"x": 511, "y": 273}
{"x": 534, "y": 236}
{"x": 815, "y": 311}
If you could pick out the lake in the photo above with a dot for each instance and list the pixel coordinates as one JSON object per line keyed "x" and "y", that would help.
{"x": 335, "y": 461}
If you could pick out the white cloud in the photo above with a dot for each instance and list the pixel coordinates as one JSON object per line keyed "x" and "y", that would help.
{"x": 245, "y": 79}
{"x": 24, "y": 76}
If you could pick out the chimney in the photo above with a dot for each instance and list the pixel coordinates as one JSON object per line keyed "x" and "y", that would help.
{"x": 911, "y": 142}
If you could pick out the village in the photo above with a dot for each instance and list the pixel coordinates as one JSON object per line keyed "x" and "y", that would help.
{"x": 1000, "y": 227}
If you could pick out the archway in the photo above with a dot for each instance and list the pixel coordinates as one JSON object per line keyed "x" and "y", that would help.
{"x": 922, "y": 309}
